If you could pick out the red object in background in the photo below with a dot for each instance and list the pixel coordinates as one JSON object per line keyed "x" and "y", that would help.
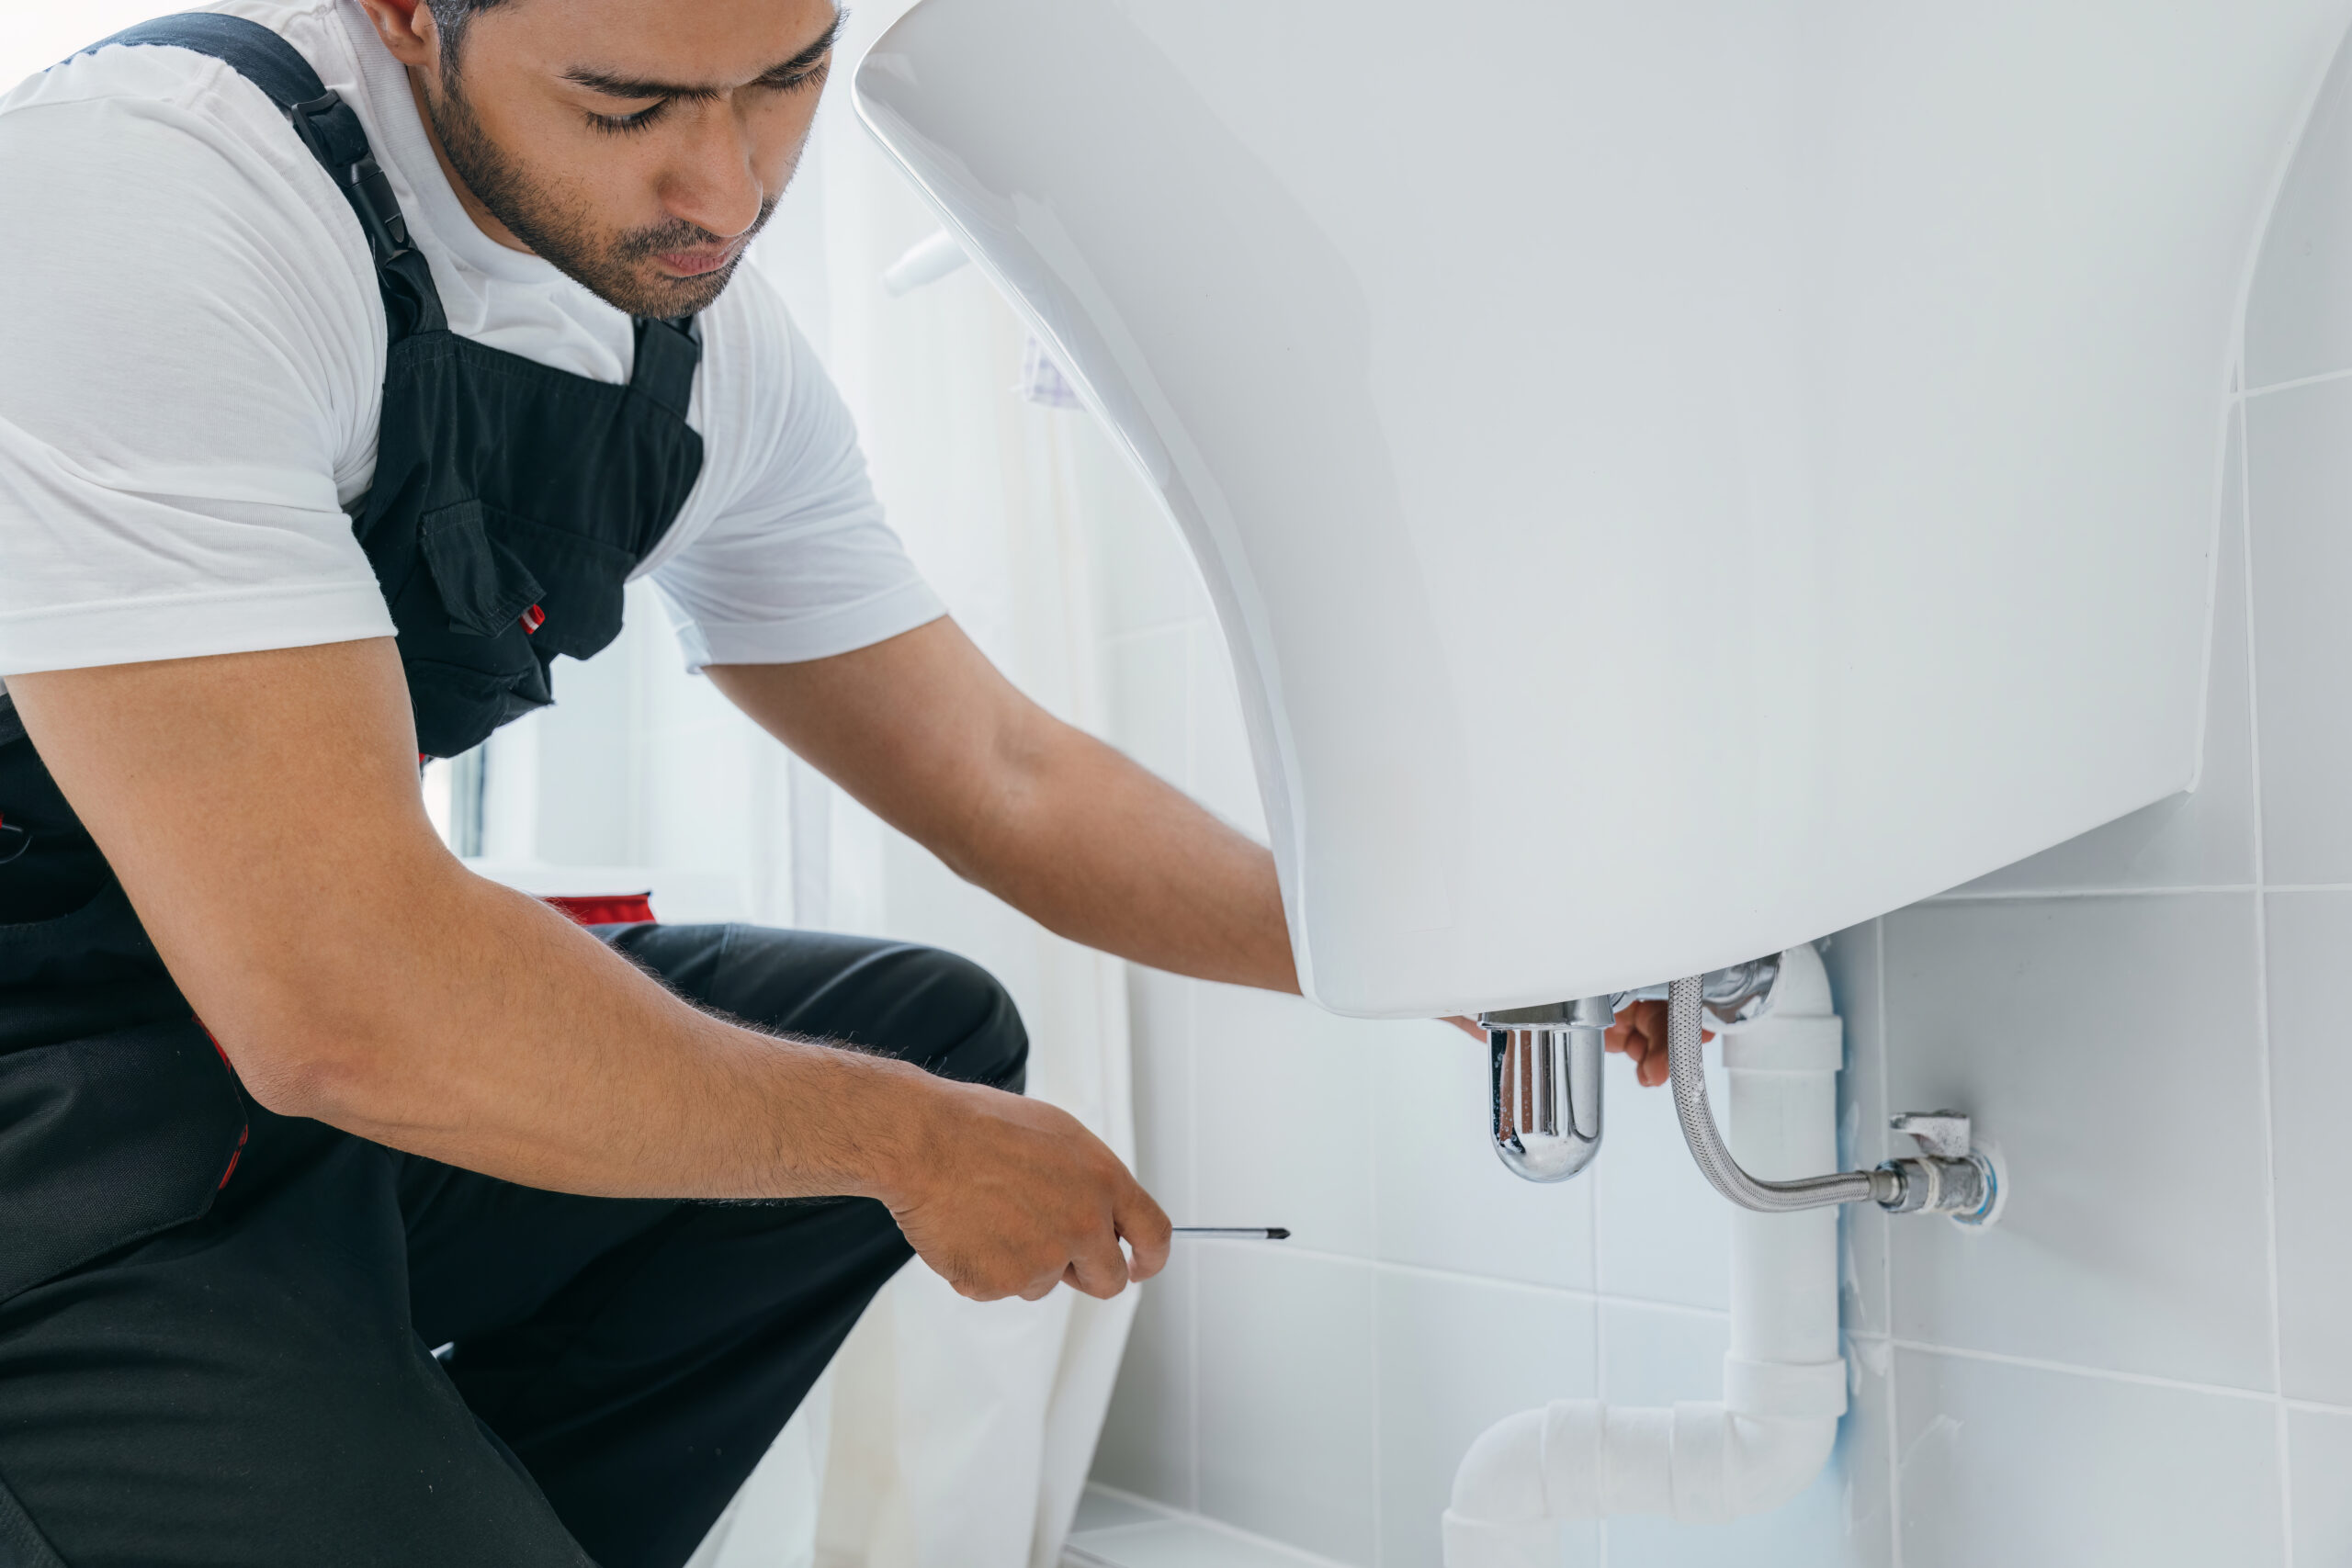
{"x": 607, "y": 909}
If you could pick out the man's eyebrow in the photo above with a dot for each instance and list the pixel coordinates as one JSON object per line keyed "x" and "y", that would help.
{"x": 781, "y": 74}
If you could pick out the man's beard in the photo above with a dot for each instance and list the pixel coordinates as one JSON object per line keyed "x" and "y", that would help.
{"x": 608, "y": 265}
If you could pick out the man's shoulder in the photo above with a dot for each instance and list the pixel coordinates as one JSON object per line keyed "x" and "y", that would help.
{"x": 133, "y": 76}
{"x": 179, "y": 146}
{"x": 156, "y": 114}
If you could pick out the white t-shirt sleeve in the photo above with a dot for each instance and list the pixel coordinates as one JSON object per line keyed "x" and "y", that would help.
{"x": 189, "y": 373}
{"x": 798, "y": 564}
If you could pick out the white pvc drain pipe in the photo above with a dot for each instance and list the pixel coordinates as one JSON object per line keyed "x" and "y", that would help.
{"x": 1785, "y": 1380}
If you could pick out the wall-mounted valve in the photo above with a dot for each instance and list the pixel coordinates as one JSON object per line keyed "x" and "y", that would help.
{"x": 1950, "y": 1176}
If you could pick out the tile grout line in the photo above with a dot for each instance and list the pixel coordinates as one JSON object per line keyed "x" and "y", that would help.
{"x": 2094, "y": 1374}
{"x": 1127, "y": 637}
{"x": 2318, "y": 380}
{"x": 2262, "y": 995}
{"x": 1886, "y": 1263}
{"x": 1166, "y": 1514}
{"x": 1193, "y": 1274}
{"x": 1599, "y": 1346}
{"x": 1379, "y": 1405}
{"x": 1192, "y": 1114}
{"x": 2043, "y": 894}
{"x": 2108, "y": 1374}
{"x": 1424, "y": 1271}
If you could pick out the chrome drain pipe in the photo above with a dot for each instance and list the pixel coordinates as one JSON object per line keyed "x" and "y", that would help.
{"x": 1546, "y": 1087}
{"x": 1545, "y": 1103}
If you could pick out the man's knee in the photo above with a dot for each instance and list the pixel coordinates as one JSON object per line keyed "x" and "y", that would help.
{"x": 963, "y": 1023}
{"x": 940, "y": 1011}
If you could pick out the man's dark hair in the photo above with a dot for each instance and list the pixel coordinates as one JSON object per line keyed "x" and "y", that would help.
{"x": 451, "y": 16}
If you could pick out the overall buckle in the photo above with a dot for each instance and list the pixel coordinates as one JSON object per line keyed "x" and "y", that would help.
{"x": 333, "y": 133}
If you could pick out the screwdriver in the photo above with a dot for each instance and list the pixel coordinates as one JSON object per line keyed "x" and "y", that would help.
{"x": 1243, "y": 1233}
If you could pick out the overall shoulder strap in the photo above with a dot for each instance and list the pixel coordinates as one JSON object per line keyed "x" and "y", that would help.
{"x": 668, "y": 350}
{"x": 333, "y": 133}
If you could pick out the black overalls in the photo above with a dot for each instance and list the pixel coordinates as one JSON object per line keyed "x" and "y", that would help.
{"x": 216, "y": 1324}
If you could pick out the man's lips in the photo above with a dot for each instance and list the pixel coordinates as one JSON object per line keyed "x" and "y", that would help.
{"x": 699, "y": 260}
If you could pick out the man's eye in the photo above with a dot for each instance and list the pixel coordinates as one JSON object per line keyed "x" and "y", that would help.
{"x": 622, "y": 123}
{"x": 808, "y": 75}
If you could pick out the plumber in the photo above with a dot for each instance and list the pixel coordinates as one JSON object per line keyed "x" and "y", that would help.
{"x": 355, "y": 353}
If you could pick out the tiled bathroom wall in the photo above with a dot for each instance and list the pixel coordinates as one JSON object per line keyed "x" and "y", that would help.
{"x": 2148, "y": 1362}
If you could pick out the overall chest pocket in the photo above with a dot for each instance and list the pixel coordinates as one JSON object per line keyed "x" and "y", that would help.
{"x": 493, "y": 568}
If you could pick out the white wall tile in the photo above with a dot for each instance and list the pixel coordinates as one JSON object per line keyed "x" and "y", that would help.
{"x": 588, "y": 827}
{"x": 2083, "y": 1033}
{"x": 1660, "y": 1233}
{"x": 1654, "y": 1358}
{"x": 2299, "y": 320}
{"x": 2004, "y": 1464}
{"x": 1284, "y": 1137}
{"x": 1150, "y": 702}
{"x": 1288, "y": 1374}
{"x": 1147, "y": 1445}
{"x": 1224, "y": 778}
{"x": 1444, "y": 1201}
{"x": 1159, "y": 1036}
{"x": 2319, "y": 1451}
{"x": 1865, "y": 1456}
{"x": 2200, "y": 839}
{"x": 1101, "y": 1510}
{"x": 1658, "y": 1356}
{"x": 2299, "y": 467}
{"x": 1183, "y": 1544}
{"x": 1456, "y": 1356}
{"x": 2310, "y": 1086}
{"x": 1852, "y": 958}
{"x": 1144, "y": 574}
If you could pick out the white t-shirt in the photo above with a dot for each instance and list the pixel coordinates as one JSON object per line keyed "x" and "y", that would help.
{"x": 192, "y": 365}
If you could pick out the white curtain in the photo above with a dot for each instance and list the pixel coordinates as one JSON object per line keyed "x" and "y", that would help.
{"x": 948, "y": 1432}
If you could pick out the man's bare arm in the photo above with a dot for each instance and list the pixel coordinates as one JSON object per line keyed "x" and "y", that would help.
{"x": 925, "y": 731}
{"x": 263, "y": 814}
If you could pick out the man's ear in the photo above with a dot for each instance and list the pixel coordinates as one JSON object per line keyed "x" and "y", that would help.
{"x": 408, "y": 30}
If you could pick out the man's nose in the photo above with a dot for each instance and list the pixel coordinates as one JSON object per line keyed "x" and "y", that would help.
{"x": 715, "y": 182}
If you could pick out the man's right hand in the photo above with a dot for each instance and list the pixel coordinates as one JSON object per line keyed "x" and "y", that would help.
{"x": 1013, "y": 1197}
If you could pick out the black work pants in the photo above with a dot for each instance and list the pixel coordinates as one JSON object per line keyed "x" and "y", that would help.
{"x": 257, "y": 1386}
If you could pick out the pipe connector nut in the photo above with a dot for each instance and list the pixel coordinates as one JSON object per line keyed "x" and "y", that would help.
{"x": 1950, "y": 1176}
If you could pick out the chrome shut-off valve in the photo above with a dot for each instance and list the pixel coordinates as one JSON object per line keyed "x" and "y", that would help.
{"x": 1950, "y": 1176}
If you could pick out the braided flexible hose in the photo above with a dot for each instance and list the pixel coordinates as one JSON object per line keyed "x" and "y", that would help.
{"x": 1686, "y": 1064}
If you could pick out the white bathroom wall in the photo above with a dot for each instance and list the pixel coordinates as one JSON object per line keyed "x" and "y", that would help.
{"x": 1320, "y": 1391}
{"x": 2147, "y": 1362}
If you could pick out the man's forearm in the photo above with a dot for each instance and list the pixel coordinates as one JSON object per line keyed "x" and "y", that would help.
{"x": 928, "y": 734}
{"x": 1096, "y": 847}
{"x": 488, "y": 1031}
